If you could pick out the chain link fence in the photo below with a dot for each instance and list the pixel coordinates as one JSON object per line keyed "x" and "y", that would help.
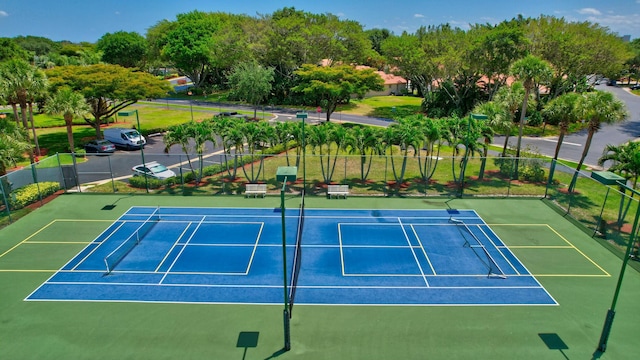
{"x": 605, "y": 212}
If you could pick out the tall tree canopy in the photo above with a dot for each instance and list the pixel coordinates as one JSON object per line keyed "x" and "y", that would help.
{"x": 123, "y": 48}
{"x": 334, "y": 84}
{"x": 107, "y": 88}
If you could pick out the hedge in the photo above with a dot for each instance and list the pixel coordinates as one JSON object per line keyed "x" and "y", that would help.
{"x": 31, "y": 193}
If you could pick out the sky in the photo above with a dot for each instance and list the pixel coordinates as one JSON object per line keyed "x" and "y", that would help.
{"x": 88, "y": 20}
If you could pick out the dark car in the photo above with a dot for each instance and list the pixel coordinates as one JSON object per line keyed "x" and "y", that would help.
{"x": 635, "y": 87}
{"x": 100, "y": 147}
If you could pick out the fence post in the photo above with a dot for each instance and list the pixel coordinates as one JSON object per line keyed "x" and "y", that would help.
{"x": 5, "y": 180}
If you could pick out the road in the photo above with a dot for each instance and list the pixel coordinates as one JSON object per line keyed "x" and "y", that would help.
{"x": 97, "y": 168}
{"x": 572, "y": 146}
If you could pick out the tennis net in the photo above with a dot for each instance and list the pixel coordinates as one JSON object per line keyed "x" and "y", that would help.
{"x": 484, "y": 256}
{"x": 295, "y": 269}
{"x": 114, "y": 257}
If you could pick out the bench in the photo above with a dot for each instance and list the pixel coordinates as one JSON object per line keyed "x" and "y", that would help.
{"x": 255, "y": 190}
{"x": 338, "y": 190}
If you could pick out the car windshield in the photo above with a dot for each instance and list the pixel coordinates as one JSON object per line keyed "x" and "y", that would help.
{"x": 157, "y": 168}
{"x": 132, "y": 134}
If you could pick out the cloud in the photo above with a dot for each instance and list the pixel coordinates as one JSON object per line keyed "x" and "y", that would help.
{"x": 3, "y": 13}
{"x": 421, "y": 16}
{"x": 589, "y": 11}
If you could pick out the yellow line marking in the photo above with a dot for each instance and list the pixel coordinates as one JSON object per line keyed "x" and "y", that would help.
{"x": 23, "y": 241}
{"x": 57, "y": 242}
{"x": 578, "y": 250}
{"x": 46, "y": 226}
{"x": 84, "y": 220}
{"x": 540, "y": 247}
{"x": 572, "y": 275}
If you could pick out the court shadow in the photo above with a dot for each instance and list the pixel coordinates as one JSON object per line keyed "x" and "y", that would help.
{"x": 554, "y": 342}
{"x": 246, "y": 340}
{"x": 113, "y": 205}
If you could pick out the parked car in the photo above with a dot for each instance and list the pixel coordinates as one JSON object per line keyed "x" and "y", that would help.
{"x": 125, "y": 138}
{"x": 635, "y": 87}
{"x": 100, "y": 147}
{"x": 153, "y": 169}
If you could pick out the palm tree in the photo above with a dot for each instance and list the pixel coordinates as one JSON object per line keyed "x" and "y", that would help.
{"x": 406, "y": 137}
{"x": 431, "y": 134}
{"x": 71, "y": 105}
{"x": 13, "y": 144}
{"x": 597, "y": 107}
{"x": 283, "y": 133}
{"x": 364, "y": 141}
{"x": 531, "y": 70}
{"x": 563, "y": 110}
{"x": 179, "y": 135}
{"x": 254, "y": 135}
{"x": 318, "y": 139}
{"x": 201, "y": 132}
{"x": 497, "y": 115}
{"x": 625, "y": 160}
{"x": 509, "y": 98}
{"x": 21, "y": 83}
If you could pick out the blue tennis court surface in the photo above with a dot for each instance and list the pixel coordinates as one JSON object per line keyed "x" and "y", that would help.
{"x": 350, "y": 257}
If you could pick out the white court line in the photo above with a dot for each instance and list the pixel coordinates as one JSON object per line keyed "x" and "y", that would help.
{"x": 423, "y": 250}
{"x": 415, "y": 257}
{"x": 181, "y": 251}
{"x": 173, "y": 246}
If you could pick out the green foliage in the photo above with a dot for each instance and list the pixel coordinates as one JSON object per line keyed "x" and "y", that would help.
{"x": 331, "y": 85}
{"x": 9, "y": 49}
{"x": 31, "y": 193}
{"x": 123, "y": 48}
{"x": 250, "y": 82}
{"x": 139, "y": 182}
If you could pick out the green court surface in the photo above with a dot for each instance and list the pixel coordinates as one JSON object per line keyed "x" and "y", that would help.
{"x": 575, "y": 269}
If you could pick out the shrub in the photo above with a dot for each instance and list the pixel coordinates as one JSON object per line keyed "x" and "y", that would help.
{"x": 31, "y": 193}
{"x": 139, "y": 182}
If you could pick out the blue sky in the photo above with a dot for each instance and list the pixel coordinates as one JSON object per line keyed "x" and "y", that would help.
{"x": 88, "y": 20}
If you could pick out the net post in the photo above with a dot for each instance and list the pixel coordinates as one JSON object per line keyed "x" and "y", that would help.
{"x": 287, "y": 329}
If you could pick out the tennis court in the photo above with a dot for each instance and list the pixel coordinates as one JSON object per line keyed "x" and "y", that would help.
{"x": 350, "y": 257}
{"x": 190, "y": 277}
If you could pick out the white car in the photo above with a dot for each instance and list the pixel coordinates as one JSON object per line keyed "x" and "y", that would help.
{"x": 153, "y": 169}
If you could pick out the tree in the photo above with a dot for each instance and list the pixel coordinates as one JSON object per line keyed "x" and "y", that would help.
{"x": 531, "y": 71}
{"x": 127, "y": 49}
{"x": 9, "y": 49}
{"x": 107, "y": 88}
{"x": 191, "y": 136}
{"x": 364, "y": 141}
{"x": 625, "y": 160}
{"x": 190, "y": 44}
{"x": 251, "y": 82}
{"x": 498, "y": 118}
{"x": 562, "y": 110}
{"x": 569, "y": 48}
{"x": 509, "y": 98}
{"x": 597, "y": 107}
{"x": 405, "y": 136}
{"x": 13, "y": 144}
{"x": 71, "y": 105}
{"x": 21, "y": 85}
{"x": 332, "y": 85}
